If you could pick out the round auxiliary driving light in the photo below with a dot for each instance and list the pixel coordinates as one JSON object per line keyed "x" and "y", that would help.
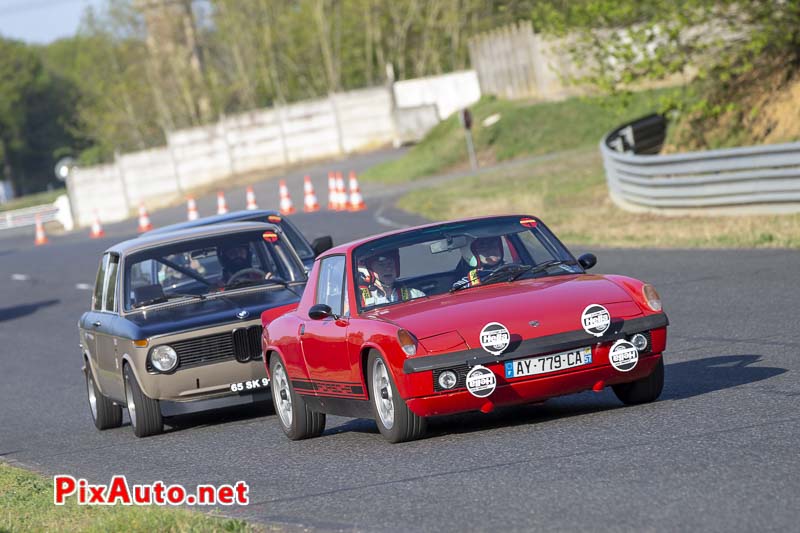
{"x": 164, "y": 358}
{"x": 639, "y": 342}
{"x": 447, "y": 379}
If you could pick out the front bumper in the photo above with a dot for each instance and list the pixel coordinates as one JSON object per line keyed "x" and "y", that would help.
{"x": 199, "y": 383}
{"x": 530, "y": 390}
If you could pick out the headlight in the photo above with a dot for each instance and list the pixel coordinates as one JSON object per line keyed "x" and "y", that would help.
{"x": 164, "y": 358}
{"x": 407, "y": 341}
{"x": 651, "y": 297}
{"x": 447, "y": 379}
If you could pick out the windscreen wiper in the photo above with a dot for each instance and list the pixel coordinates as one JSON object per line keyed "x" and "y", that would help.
{"x": 172, "y": 295}
{"x": 541, "y": 267}
{"x": 512, "y": 271}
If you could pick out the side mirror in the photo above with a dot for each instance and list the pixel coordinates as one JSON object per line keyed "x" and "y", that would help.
{"x": 320, "y": 311}
{"x": 321, "y": 244}
{"x": 587, "y": 261}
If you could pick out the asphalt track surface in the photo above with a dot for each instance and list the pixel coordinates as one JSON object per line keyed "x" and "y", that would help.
{"x": 718, "y": 452}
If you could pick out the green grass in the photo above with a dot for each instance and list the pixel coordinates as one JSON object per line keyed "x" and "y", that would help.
{"x": 524, "y": 129}
{"x": 569, "y": 193}
{"x": 26, "y": 504}
{"x": 39, "y": 198}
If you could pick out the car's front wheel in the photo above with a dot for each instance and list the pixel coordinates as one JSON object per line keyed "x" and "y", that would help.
{"x": 395, "y": 420}
{"x": 644, "y": 390}
{"x": 297, "y": 420}
{"x": 105, "y": 413}
{"x": 144, "y": 412}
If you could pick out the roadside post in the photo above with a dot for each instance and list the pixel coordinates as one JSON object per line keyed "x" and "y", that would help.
{"x": 466, "y": 122}
{"x": 64, "y": 169}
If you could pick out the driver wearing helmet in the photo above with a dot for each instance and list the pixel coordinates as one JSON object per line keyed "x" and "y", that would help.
{"x": 236, "y": 258}
{"x": 488, "y": 253}
{"x": 381, "y": 283}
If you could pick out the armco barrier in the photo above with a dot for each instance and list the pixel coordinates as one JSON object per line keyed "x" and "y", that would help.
{"x": 753, "y": 179}
{"x": 59, "y": 211}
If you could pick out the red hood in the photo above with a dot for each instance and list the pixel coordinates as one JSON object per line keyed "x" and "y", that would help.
{"x": 556, "y": 303}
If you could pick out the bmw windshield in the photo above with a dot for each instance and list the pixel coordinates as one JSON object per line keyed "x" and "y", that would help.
{"x": 199, "y": 268}
{"x": 457, "y": 256}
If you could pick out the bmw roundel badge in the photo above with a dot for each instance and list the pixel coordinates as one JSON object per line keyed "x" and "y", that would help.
{"x": 241, "y": 315}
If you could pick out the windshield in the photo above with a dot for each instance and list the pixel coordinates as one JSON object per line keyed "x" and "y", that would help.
{"x": 211, "y": 265}
{"x": 457, "y": 256}
{"x": 297, "y": 240}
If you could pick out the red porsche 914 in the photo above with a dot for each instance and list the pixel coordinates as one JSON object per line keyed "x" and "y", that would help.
{"x": 458, "y": 316}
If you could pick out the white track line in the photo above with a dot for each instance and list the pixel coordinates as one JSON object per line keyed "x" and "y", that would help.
{"x": 382, "y": 220}
{"x": 20, "y": 277}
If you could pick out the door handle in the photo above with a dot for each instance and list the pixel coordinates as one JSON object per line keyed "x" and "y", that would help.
{"x": 302, "y": 329}
{"x": 96, "y": 323}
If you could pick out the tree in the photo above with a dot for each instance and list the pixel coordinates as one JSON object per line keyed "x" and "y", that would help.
{"x": 35, "y": 117}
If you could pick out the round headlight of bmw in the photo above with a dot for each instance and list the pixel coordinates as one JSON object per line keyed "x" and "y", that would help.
{"x": 651, "y": 297}
{"x": 447, "y": 379}
{"x": 164, "y": 358}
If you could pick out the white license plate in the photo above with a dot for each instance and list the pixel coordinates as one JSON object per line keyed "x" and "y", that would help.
{"x": 250, "y": 385}
{"x": 544, "y": 364}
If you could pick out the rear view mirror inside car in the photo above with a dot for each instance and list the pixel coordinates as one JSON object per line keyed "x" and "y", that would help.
{"x": 448, "y": 244}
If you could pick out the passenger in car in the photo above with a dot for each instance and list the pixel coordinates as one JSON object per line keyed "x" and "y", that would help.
{"x": 382, "y": 286}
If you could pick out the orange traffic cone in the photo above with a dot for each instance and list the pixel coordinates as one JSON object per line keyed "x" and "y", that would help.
{"x": 97, "y": 228}
{"x": 144, "y": 219}
{"x": 310, "y": 203}
{"x": 286, "y": 206}
{"x": 222, "y": 205}
{"x": 41, "y": 236}
{"x": 341, "y": 194}
{"x": 331, "y": 191}
{"x": 251, "y": 199}
{"x": 356, "y": 200}
{"x": 191, "y": 209}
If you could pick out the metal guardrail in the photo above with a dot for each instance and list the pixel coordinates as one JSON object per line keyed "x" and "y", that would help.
{"x": 27, "y": 216}
{"x": 752, "y": 179}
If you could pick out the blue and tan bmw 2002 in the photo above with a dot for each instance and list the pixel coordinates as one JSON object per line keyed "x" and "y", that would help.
{"x": 176, "y": 320}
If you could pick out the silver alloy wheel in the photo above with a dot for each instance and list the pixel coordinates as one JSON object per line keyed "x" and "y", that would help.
{"x": 131, "y": 404}
{"x": 382, "y": 390}
{"x": 283, "y": 398}
{"x": 92, "y": 396}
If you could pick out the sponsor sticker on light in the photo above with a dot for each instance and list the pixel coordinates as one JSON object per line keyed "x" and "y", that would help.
{"x": 528, "y": 222}
{"x": 270, "y": 236}
{"x": 623, "y": 356}
{"x": 595, "y": 319}
{"x": 481, "y": 381}
{"x": 495, "y": 338}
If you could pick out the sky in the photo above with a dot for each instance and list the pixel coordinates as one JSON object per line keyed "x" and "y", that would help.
{"x": 41, "y": 21}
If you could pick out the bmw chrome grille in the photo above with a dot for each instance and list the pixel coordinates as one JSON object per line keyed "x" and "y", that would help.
{"x": 241, "y": 344}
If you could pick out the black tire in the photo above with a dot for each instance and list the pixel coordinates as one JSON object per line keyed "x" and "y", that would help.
{"x": 644, "y": 390}
{"x": 144, "y": 412}
{"x": 105, "y": 413}
{"x": 405, "y": 425}
{"x": 298, "y": 421}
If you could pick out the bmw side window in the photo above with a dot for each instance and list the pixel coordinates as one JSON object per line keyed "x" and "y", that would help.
{"x": 331, "y": 283}
{"x": 110, "y": 291}
{"x": 99, "y": 284}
